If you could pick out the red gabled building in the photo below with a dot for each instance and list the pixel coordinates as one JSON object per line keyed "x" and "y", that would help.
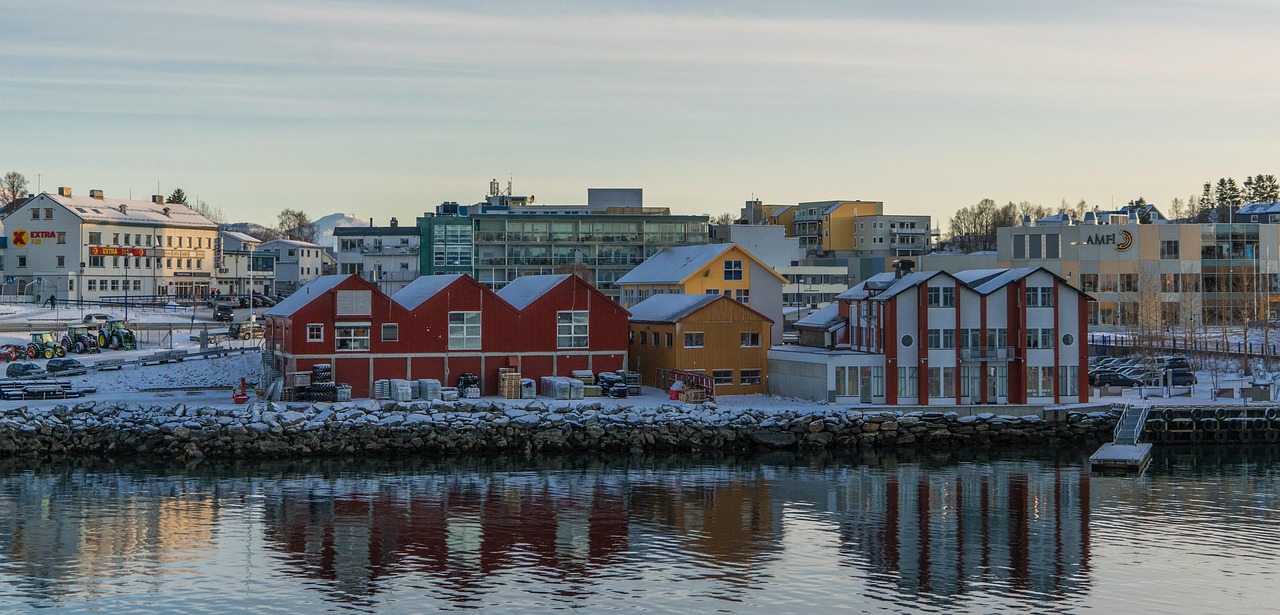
{"x": 444, "y": 326}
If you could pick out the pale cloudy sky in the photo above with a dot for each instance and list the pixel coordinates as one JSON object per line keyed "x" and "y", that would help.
{"x": 384, "y": 107}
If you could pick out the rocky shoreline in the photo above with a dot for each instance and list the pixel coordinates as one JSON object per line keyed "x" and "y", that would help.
{"x": 277, "y": 430}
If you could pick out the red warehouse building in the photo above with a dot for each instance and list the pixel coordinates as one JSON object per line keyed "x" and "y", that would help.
{"x": 445, "y": 326}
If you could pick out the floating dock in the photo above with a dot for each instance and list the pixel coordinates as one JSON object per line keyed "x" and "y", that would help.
{"x": 1127, "y": 457}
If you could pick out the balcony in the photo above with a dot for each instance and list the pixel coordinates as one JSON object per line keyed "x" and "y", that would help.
{"x": 987, "y": 353}
{"x": 388, "y": 250}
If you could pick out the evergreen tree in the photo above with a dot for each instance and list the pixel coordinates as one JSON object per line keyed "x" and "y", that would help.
{"x": 178, "y": 196}
{"x": 1208, "y": 205}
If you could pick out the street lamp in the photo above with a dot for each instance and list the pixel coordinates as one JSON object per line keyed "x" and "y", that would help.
{"x": 126, "y": 285}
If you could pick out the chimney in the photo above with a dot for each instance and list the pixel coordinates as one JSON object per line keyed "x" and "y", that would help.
{"x": 394, "y": 222}
{"x": 166, "y": 212}
{"x": 124, "y": 209}
{"x": 64, "y": 191}
{"x": 903, "y": 266}
{"x": 95, "y": 194}
{"x": 158, "y": 199}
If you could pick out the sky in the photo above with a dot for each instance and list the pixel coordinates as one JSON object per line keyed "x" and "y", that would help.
{"x": 387, "y": 108}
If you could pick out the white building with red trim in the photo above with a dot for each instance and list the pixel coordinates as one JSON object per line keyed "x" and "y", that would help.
{"x": 930, "y": 338}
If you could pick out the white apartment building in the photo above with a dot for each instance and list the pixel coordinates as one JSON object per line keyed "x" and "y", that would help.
{"x": 388, "y": 256}
{"x": 297, "y": 262}
{"x": 93, "y": 247}
{"x": 243, "y": 267}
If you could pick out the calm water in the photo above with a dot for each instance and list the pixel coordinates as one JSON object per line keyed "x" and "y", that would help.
{"x": 947, "y": 533}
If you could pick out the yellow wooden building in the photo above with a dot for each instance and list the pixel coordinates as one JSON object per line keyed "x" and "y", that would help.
{"x": 712, "y": 334}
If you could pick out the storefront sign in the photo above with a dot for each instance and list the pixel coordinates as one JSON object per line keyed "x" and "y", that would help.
{"x": 101, "y": 251}
{"x": 22, "y": 237}
{"x": 1122, "y": 240}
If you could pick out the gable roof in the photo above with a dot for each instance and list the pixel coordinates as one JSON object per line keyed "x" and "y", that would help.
{"x": 305, "y": 295}
{"x": 674, "y": 265}
{"x": 524, "y": 290}
{"x": 243, "y": 238}
{"x": 291, "y": 242}
{"x": 826, "y": 317}
{"x": 422, "y": 289}
{"x": 135, "y": 212}
{"x": 669, "y": 308}
{"x": 981, "y": 281}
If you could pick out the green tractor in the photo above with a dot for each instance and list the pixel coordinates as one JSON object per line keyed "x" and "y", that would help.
{"x": 44, "y": 345}
{"x": 116, "y": 336}
{"x": 80, "y": 339}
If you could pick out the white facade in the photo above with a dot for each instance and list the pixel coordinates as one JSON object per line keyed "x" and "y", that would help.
{"x": 388, "y": 256}
{"x": 297, "y": 263}
{"x": 235, "y": 276}
{"x": 93, "y": 247}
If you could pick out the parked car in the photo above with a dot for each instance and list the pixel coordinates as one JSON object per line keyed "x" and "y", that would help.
{"x": 96, "y": 319}
{"x": 1114, "y": 379}
{"x": 244, "y": 331}
{"x": 1179, "y": 378}
{"x": 22, "y": 368}
{"x": 55, "y": 366}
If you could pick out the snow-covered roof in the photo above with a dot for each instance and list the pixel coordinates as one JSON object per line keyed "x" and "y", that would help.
{"x": 898, "y": 285}
{"x": 133, "y": 212}
{"x": 987, "y": 281}
{"x": 242, "y": 237}
{"x": 291, "y": 242}
{"x": 862, "y": 290}
{"x": 674, "y": 265}
{"x": 826, "y": 317}
{"x": 1259, "y": 208}
{"x": 422, "y": 289}
{"x": 524, "y": 290}
{"x": 670, "y": 307}
{"x": 306, "y": 294}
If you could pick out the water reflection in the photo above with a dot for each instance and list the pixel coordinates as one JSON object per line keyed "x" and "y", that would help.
{"x": 957, "y": 531}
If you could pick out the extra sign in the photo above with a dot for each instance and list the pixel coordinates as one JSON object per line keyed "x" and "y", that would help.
{"x": 22, "y": 237}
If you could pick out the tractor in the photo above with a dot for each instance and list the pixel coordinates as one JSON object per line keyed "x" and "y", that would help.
{"x": 43, "y": 344}
{"x": 12, "y": 352}
{"x": 80, "y": 339}
{"x": 116, "y": 336}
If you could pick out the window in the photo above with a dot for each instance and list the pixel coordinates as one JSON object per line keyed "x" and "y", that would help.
{"x": 62, "y": 261}
{"x": 1039, "y": 296}
{"x": 571, "y": 329}
{"x": 935, "y": 339}
{"x": 693, "y": 340}
{"x": 115, "y": 284}
{"x": 907, "y": 384}
{"x": 713, "y": 291}
{"x": 669, "y": 340}
{"x": 748, "y": 376}
{"x": 62, "y": 237}
{"x": 351, "y": 338}
{"x": 1046, "y": 296}
{"x": 315, "y": 333}
{"x": 1046, "y": 338}
{"x": 92, "y": 284}
{"x": 721, "y": 377}
{"x": 95, "y": 238}
{"x": 750, "y": 340}
{"x": 743, "y": 296}
{"x": 942, "y": 382}
{"x": 464, "y": 330}
{"x": 733, "y": 270}
{"x": 356, "y": 303}
{"x": 655, "y": 339}
{"x": 35, "y": 213}
{"x": 1068, "y": 339}
{"x": 1169, "y": 249}
{"x": 48, "y": 213}
{"x": 115, "y": 239}
{"x": 1069, "y": 380}
{"x": 22, "y": 261}
{"x": 934, "y": 296}
{"x": 137, "y": 285}
{"x": 644, "y": 337}
{"x": 390, "y": 332}
{"x": 1039, "y": 381}
{"x": 1089, "y": 282}
{"x": 907, "y": 341}
{"x": 126, "y": 239}
{"x": 95, "y": 261}
{"x": 293, "y": 252}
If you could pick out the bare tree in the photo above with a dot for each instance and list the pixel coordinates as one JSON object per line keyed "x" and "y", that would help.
{"x": 296, "y": 225}
{"x": 12, "y": 187}
{"x": 973, "y": 228}
{"x": 724, "y": 218}
{"x": 213, "y": 214}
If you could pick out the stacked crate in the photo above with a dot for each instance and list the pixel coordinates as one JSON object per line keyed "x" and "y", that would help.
{"x": 509, "y": 383}
{"x": 584, "y": 375}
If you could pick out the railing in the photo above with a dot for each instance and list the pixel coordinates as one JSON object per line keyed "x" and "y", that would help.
{"x": 987, "y": 353}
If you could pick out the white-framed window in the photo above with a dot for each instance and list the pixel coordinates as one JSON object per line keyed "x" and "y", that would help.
{"x": 22, "y": 261}
{"x": 733, "y": 270}
{"x": 390, "y": 332}
{"x": 571, "y": 329}
{"x": 315, "y": 332}
{"x": 351, "y": 338}
{"x": 748, "y": 376}
{"x": 464, "y": 330}
{"x": 750, "y": 340}
{"x": 743, "y": 295}
{"x": 721, "y": 377}
{"x": 693, "y": 340}
{"x": 93, "y": 284}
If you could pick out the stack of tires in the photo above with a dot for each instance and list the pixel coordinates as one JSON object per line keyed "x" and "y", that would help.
{"x": 322, "y": 386}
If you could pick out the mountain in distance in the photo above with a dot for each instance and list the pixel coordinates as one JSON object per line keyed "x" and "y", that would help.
{"x": 324, "y": 228}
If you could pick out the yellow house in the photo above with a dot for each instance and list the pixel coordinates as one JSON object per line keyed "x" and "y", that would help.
{"x": 713, "y": 269}
{"x": 711, "y": 334}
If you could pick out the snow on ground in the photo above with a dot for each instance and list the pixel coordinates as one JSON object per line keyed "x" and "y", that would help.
{"x": 44, "y": 318}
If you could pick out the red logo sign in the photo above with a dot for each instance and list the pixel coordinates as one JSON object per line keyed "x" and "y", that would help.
{"x": 19, "y": 238}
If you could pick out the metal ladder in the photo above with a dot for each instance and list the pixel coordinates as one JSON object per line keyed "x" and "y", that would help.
{"x": 1129, "y": 427}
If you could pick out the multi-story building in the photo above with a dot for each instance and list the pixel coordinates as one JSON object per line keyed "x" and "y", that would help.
{"x": 297, "y": 263}
{"x": 388, "y": 256}
{"x": 448, "y": 237}
{"x": 715, "y": 269}
{"x": 828, "y": 226}
{"x": 989, "y": 336}
{"x": 710, "y": 334}
{"x": 93, "y": 247}
{"x": 243, "y": 268}
{"x": 1162, "y": 280}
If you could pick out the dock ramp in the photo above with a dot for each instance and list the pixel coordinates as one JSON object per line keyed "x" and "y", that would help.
{"x": 1125, "y": 452}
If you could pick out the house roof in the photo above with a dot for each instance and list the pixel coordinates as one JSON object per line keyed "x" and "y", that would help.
{"x": 242, "y": 237}
{"x": 291, "y": 242}
{"x": 524, "y": 290}
{"x": 894, "y": 288}
{"x": 306, "y": 294}
{"x": 987, "y": 281}
{"x": 379, "y": 231}
{"x": 1259, "y": 208}
{"x": 134, "y": 212}
{"x": 670, "y": 307}
{"x": 826, "y": 317}
{"x": 422, "y": 289}
{"x": 674, "y": 265}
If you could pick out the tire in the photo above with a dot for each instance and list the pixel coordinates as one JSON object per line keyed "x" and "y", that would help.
{"x": 1273, "y": 414}
{"x": 102, "y": 340}
{"x": 1220, "y": 436}
{"x": 1167, "y": 436}
{"x": 1197, "y": 436}
{"x": 1271, "y": 435}
{"x": 32, "y": 352}
{"x": 79, "y": 347}
{"x": 60, "y": 351}
{"x": 48, "y": 353}
{"x": 1246, "y": 435}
